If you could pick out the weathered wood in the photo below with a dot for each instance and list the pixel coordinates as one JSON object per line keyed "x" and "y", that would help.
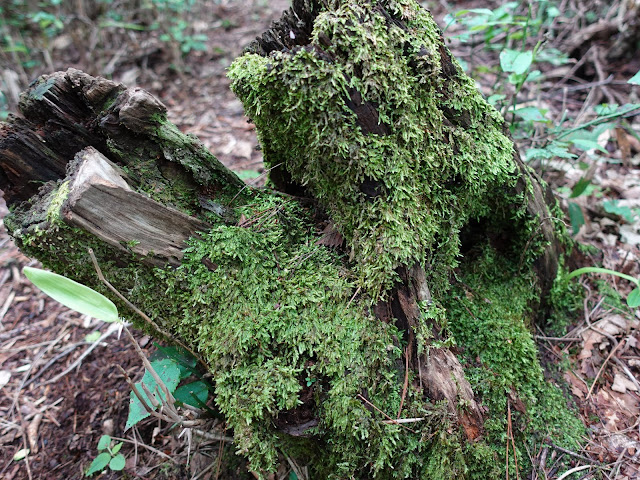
{"x": 101, "y": 203}
{"x": 68, "y": 111}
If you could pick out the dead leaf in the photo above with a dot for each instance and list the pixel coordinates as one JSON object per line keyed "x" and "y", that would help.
{"x": 32, "y": 432}
{"x": 618, "y": 442}
{"x": 629, "y": 234}
{"x": 578, "y": 388}
{"x": 5, "y": 375}
{"x": 622, "y": 138}
{"x": 331, "y": 237}
{"x": 614, "y": 325}
{"x": 621, "y": 384}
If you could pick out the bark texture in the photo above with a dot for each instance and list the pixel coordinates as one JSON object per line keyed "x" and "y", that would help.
{"x": 318, "y": 346}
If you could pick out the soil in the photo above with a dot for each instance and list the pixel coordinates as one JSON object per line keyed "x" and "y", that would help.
{"x": 58, "y": 404}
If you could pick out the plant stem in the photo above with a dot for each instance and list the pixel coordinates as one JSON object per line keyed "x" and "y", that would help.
{"x": 580, "y": 271}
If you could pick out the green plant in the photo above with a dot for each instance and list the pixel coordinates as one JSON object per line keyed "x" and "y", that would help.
{"x": 178, "y": 33}
{"x": 517, "y": 30}
{"x": 73, "y": 295}
{"x": 560, "y": 139}
{"x": 628, "y": 213}
{"x": 170, "y": 365}
{"x": 110, "y": 457}
{"x": 167, "y": 367}
{"x": 633, "y": 300}
{"x": 173, "y": 20}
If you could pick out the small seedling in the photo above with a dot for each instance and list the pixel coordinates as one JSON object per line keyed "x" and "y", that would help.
{"x": 110, "y": 457}
{"x": 633, "y": 300}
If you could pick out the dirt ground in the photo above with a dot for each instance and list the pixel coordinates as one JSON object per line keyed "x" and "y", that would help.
{"x": 57, "y": 402}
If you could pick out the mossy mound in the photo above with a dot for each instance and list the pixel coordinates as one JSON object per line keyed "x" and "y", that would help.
{"x": 377, "y": 122}
{"x": 400, "y": 190}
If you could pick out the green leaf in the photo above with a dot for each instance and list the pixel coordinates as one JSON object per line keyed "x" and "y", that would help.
{"x": 515, "y": 61}
{"x": 104, "y": 442}
{"x": 99, "y": 463}
{"x": 117, "y": 463}
{"x": 194, "y": 393}
{"x": 633, "y": 300}
{"x": 117, "y": 448}
{"x": 516, "y": 78}
{"x": 92, "y": 337}
{"x": 554, "y": 149}
{"x": 531, "y": 114}
{"x": 607, "y": 271}
{"x": 185, "y": 361}
{"x": 21, "y": 454}
{"x": 493, "y": 99}
{"x": 579, "y": 188}
{"x": 584, "y": 144}
{"x": 635, "y": 80}
{"x": 479, "y": 11}
{"x": 606, "y": 108}
{"x": 535, "y": 75}
{"x": 611, "y": 206}
{"x": 576, "y": 216}
{"x": 73, "y": 295}
{"x": 168, "y": 371}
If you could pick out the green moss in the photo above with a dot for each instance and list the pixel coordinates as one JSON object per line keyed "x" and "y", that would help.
{"x": 276, "y": 316}
{"x": 435, "y": 173}
{"x": 279, "y": 312}
{"x": 55, "y": 201}
{"x": 488, "y": 311}
{"x": 566, "y": 299}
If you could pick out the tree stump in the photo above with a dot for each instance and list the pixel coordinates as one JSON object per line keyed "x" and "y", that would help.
{"x": 369, "y": 316}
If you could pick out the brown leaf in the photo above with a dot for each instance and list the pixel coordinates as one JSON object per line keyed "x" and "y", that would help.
{"x": 622, "y": 138}
{"x": 621, "y": 384}
{"x": 331, "y": 237}
{"x": 578, "y": 388}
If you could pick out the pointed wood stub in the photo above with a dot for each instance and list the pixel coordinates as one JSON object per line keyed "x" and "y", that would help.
{"x": 101, "y": 203}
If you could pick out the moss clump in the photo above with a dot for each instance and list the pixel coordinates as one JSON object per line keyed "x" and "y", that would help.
{"x": 280, "y": 327}
{"x": 276, "y": 316}
{"x": 439, "y": 164}
{"x": 488, "y": 308}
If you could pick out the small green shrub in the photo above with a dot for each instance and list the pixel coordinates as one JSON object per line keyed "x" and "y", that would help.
{"x": 110, "y": 456}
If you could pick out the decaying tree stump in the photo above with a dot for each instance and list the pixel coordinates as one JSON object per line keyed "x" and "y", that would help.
{"x": 370, "y": 315}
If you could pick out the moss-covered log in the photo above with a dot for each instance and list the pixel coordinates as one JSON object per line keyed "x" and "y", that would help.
{"x": 393, "y": 272}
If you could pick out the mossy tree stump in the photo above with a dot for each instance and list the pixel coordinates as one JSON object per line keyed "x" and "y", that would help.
{"x": 370, "y": 315}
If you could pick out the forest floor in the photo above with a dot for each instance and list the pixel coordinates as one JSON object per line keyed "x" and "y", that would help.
{"x": 57, "y": 402}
